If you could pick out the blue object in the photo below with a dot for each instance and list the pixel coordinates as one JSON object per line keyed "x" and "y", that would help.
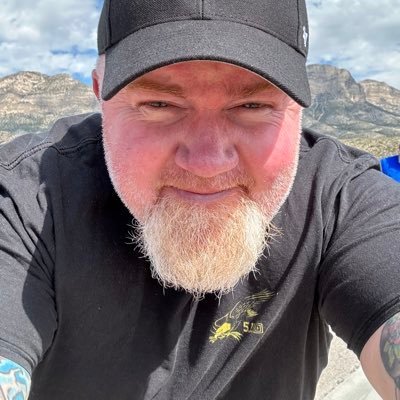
{"x": 391, "y": 167}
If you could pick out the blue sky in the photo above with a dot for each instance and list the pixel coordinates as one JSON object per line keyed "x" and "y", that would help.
{"x": 53, "y": 37}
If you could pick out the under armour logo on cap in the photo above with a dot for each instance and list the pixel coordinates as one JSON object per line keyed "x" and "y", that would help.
{"x": 305, "y": 36}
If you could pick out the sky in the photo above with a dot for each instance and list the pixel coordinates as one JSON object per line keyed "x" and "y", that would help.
{"x": 59, "y": 36}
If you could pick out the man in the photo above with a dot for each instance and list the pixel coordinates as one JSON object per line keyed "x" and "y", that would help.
{"x": 247, "y": 237}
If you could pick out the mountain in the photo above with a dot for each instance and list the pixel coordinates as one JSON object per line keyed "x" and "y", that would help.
{"x": 342, "y": 107}
{"x": 31, "y": 102}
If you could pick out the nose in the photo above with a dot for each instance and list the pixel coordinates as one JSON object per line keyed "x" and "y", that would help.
{"x": 207, "y": 150}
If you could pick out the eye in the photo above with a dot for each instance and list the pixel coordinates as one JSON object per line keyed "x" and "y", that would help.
{"x": 157, "y": 104}
{"x": 159, "y": 111}
{"x": 253, "y": 105}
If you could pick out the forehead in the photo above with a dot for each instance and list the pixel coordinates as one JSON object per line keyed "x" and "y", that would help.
{"x": 203, "y": 75}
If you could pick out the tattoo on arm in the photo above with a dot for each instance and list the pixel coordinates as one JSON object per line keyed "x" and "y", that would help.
{"x": 390, "y": 351}
{"x": 14, "y": 381}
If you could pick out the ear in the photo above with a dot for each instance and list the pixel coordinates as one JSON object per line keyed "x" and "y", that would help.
{"x": 96, "y": 84}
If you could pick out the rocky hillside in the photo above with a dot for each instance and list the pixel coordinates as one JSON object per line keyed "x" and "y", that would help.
{"x": 342, "y": 107}
{"x": 31, "y": 102}
{"x": 346, "y": 108}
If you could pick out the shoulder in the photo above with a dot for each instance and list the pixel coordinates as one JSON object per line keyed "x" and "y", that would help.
{"x": 332, "y": 156}
{"x": 39, "y": 169}
{"x": 332, "y": 166}
{"x": 67, "y": 136}
{"x": 336, "y": 185}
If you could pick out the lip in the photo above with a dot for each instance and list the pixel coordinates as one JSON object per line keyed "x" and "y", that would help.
{"x": 203, "y": 197}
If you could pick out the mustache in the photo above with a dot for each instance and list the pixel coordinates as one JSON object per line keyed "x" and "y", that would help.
{"x": 185, "y": 180}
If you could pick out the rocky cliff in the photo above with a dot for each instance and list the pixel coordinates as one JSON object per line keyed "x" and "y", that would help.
{"x": 382, "y": 95}
{"x": 345, "y": 108}
{"x": 342, "y": 107}
{"x": 31, "y": 102}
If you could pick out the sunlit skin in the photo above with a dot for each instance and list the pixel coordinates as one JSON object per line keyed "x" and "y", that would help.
{"x": 204, "y": 119}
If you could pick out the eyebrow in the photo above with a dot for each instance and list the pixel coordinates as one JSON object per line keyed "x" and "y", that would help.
{"x": 249, "y": 90}
{"x": 243, "y": 91}
{"x": 154, "y": 86}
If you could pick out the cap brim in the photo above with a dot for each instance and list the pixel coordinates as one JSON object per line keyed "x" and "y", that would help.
{"x": 163, "y": 44}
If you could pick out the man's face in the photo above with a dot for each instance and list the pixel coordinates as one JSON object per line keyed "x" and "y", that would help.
{"x": 203, "y": 154}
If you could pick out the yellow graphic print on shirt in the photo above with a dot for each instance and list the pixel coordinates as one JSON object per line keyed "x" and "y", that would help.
{"x": 236, "y": 322}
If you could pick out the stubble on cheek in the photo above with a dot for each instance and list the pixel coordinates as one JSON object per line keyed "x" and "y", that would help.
{"x": 125, "y": 171}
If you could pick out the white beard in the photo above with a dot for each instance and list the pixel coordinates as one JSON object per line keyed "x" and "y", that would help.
{"x": 200, "y": 249}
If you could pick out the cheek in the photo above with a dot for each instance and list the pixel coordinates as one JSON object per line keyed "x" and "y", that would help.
{"x": 135, "y": 159}
{"x": 276, "y": 151}
{"x": 287, "y": 145}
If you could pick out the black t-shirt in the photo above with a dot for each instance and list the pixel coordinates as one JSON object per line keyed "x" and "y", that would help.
{"x": 80, "y": 311}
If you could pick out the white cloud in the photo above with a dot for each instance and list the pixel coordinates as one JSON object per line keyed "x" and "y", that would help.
{"x": 53, "y": 36}
{"x": 48, "y": 36}
{"x": 362, "y": 36}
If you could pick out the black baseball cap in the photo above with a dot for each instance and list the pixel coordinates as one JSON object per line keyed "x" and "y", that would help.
{"x": 268, "y": 37}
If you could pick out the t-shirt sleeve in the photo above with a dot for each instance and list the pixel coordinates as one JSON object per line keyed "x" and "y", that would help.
{"x": 359, "y": 278}
{"x": 28, "y": 318}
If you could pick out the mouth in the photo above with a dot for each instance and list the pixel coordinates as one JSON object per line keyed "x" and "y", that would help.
{"x": 203, "y": 196}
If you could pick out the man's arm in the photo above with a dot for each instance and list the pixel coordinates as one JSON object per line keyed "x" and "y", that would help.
{"x": 380, "y": 359}
{"x": 14, "y": 381}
